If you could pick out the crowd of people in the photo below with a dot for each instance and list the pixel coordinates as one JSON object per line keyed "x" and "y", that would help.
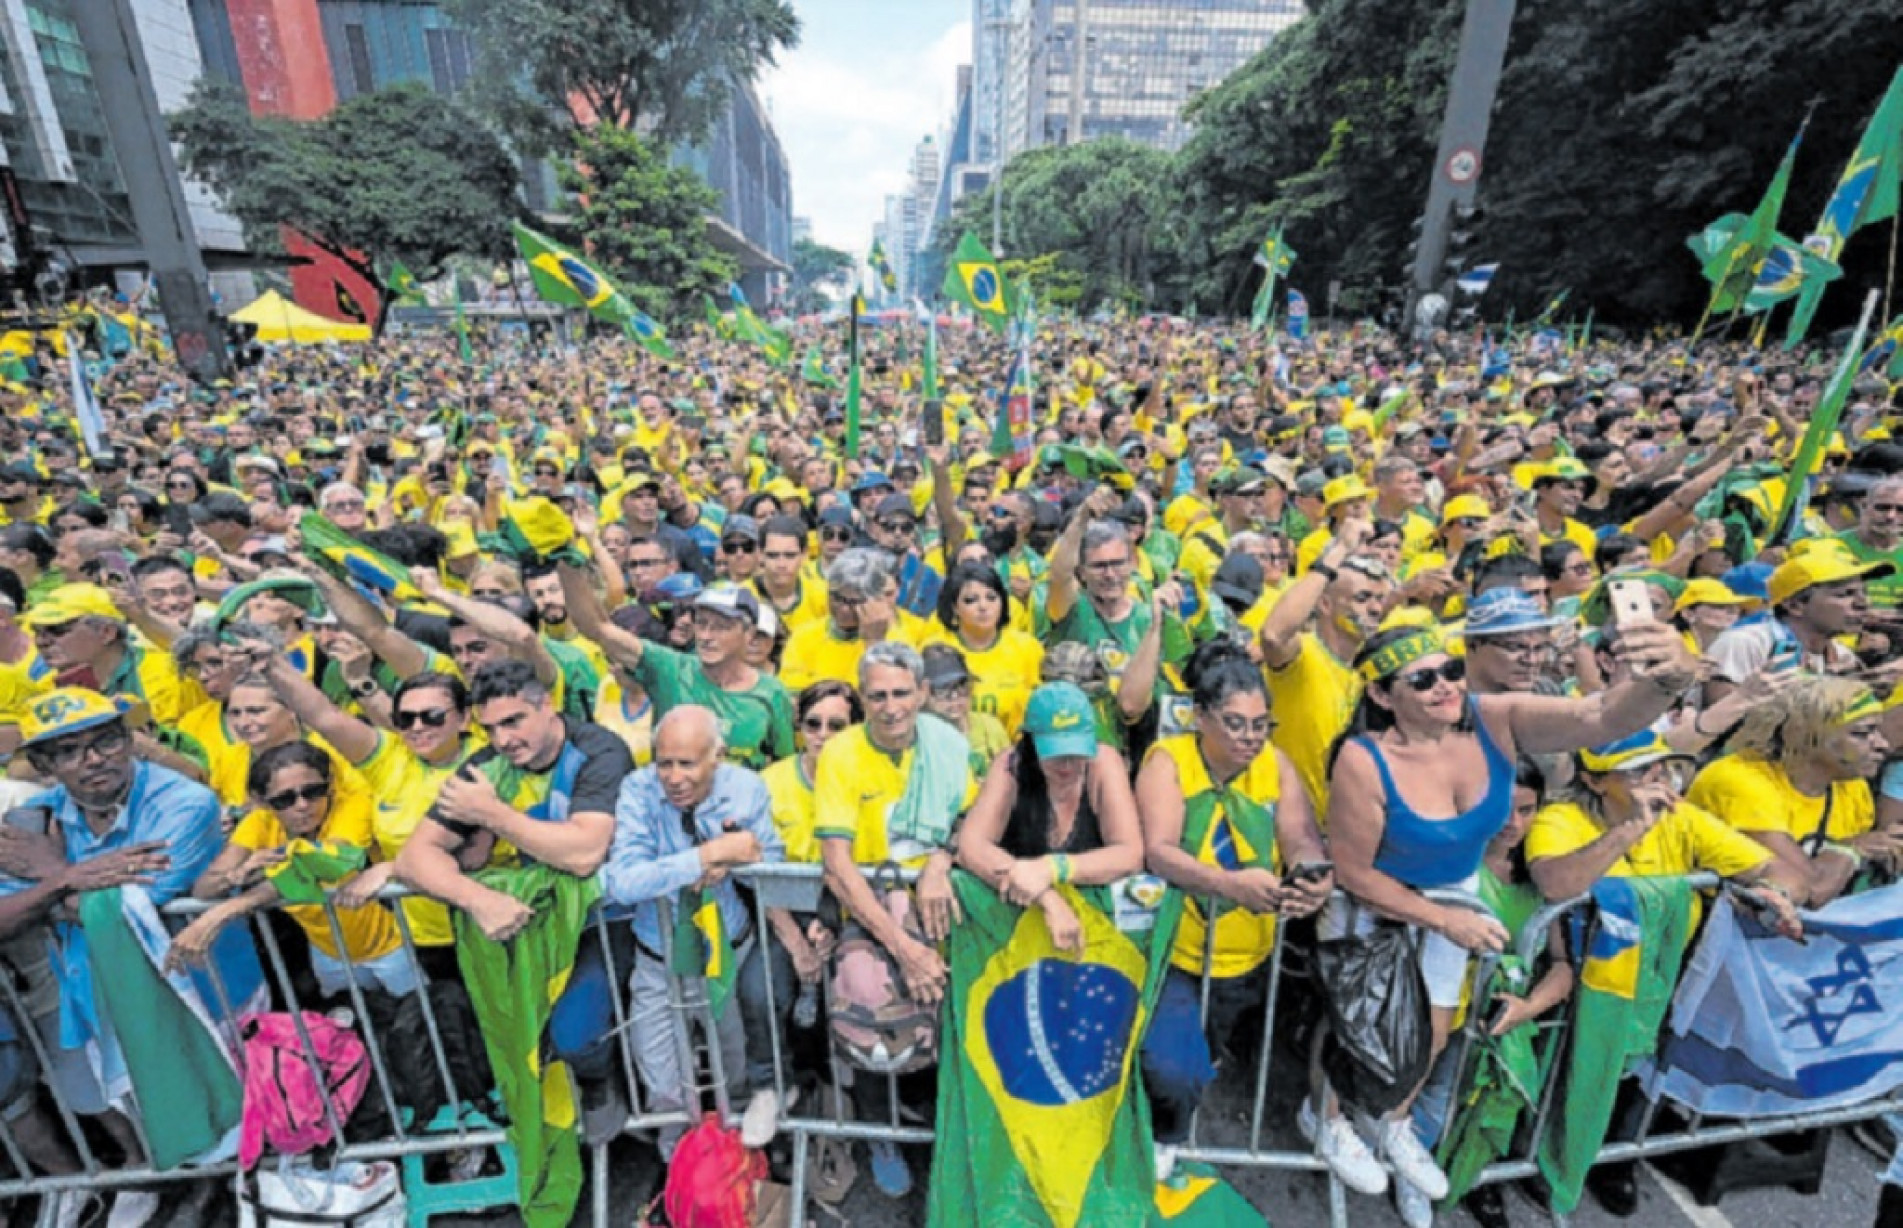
{"x": 1321, "y": 638}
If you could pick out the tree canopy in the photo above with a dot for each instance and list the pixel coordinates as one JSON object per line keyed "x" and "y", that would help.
{"x": 397, "y": 175}
{"x": 645, "y": 220}
{"x": 666, "y": 67}
{"x": 816, "y": 269}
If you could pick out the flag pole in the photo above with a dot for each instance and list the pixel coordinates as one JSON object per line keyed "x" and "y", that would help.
{"x": 1889, "y": 272}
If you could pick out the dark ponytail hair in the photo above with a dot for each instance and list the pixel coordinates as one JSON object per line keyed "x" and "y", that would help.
{"x": 1221, "y": 669}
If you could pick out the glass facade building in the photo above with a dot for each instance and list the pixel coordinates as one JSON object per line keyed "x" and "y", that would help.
{"x": 1091, "y": 68}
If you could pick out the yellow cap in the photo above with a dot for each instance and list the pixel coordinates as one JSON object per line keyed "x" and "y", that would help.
{"x": 65, "y": 710}
{"x": 1465, "y": 507}
{"x": 1707, "y": 591}
{"x": 1342, "y": 489}
{"x": 1825, "y": 564}
{"x": 69, "y": 602}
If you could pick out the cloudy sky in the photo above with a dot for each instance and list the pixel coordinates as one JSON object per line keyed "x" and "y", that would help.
{"x": 868, "y": 80}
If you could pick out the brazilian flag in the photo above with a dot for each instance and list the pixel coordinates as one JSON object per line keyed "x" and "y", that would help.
{"x": 1040, "y": 1085}
{"x": 535, "y": 531}
{"x": 1196, "y": 1197}
{"x": 700, "y": 947}
{"x": 973, "y": 278}
{"x": 750, "y": 327}
{"x": 561, "y": 276}
{"x": 353, "y": 562}
{"x": 642, "y": 328}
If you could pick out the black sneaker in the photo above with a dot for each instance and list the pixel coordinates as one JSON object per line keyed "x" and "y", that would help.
{"x": 1487, "y": 1206}
{"x": 1616, "y": 1186}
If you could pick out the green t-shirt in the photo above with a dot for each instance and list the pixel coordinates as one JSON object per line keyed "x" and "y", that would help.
{"x": 1115, "y": 643}
{"x": 1886, "y": 592}
{"x": 757, "y": 722}
{"x": 580, "y": 679}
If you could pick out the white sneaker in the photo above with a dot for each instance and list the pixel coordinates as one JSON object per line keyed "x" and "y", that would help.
{"x": 69, "y": 1210}
{"x": 1416, "y": 1208}
{"x": 1339, "y": 1147}
{"x": 1165, "y": 1161}
{"x": 133, "y": 1209}
{"x": 1402, "y": 1150}
{"x": 761, "y": 1121}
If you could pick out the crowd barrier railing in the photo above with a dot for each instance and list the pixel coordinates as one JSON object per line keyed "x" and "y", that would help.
{"x": 1260, "y": 1136}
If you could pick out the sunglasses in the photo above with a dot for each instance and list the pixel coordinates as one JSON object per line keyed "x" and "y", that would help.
{"x": 835, "y": 535}
{"x": 815, "y": 724}
{"x": 898, "y": 526}
{"x": 54, "y": 631}
{"x": 291, "y": 797}
{"x": 1454, "y": 669}
{"x": 430, "y": 718}
{"x": 542, "y": 471}
{"x": 739, "y": 545}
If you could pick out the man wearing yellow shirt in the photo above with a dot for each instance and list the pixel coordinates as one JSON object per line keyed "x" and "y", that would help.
{"x": 1798, "y": 783}
{"x": 783, "y": 582}
{"x": 862, "y": 593}
{"x": 1629, "y": 821}
{"x": 1238, "y": 495}
{"x": 891, "y": 790}
{"x": 1313, "y": 689}
{"x": 1558, "y": 487}
{"x": 1398, "y": 490}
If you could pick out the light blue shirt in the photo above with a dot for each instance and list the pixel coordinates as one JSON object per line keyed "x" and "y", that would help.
{"x": 652, "y": 856}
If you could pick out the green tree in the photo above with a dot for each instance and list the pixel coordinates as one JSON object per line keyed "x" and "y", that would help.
{"x": 1098, "y": 209}
{"x": 646, "y": 220}
{"x": 398, "y": 175}
{"x": 668, "y": 67}
{"x": 816, "y": 270}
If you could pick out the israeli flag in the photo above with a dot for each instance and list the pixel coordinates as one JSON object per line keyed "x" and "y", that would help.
{"x": 1477, "y": 279}
{"x": 1762, "y": 1026}
{"x": 1297, "y": 315}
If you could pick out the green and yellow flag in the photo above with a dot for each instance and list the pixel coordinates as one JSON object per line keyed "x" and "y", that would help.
{"x": 814, "y": 372}
{"x": 561, "y": 276}
{"x": 1868, "y": 191}
{"x": 882, "y": 266}
{"x": 353, "y": 562}
{"x": 641, "y": 327}
{"x": 1036, "y": 1080}
{"x": 701, "y": 948}
{"x": 402, "y": 285}
{"x": 750, "y": 327}
{"x": 974, "y": 279}
{"x": 1732, "y": 265}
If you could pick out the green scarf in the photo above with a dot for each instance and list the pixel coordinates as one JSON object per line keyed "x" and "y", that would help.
{"x": 514, "y": 987}
{"x": 935, "y": 791}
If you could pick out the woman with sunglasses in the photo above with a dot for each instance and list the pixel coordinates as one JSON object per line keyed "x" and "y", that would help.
{"x": 293, "y": 789}
{"x": 1225, "y": 820}
{"x": 974, "y": 616}
{"x": 430, "y": 714}
{"x": 1419, "y": 784}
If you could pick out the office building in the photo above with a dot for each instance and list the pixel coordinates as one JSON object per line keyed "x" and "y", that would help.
{"x": 1082, "y": 69}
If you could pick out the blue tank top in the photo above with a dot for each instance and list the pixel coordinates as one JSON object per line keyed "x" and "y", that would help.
{"x": 1424, "y": 852}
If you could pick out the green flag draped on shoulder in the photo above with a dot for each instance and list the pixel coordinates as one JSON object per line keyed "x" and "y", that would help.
{"x": 1866, "y": 192}
{"x": 1038, "y": 1080}
{"x": 972, "y": 277}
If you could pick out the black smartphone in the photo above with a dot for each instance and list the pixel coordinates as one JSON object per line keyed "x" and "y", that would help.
{"x": 1311, "y": 871}
{"x": 934, "y": 422}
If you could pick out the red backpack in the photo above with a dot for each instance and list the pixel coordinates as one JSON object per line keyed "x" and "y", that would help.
{"x": 712, "y": 1178}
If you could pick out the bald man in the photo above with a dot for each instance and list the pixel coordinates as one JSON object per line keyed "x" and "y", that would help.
{"x": 683, "y": 824}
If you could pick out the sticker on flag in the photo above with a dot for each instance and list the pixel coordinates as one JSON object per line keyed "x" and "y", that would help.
{"x": 1762, "y": 1026}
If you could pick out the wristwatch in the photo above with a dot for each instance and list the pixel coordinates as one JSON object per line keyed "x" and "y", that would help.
{"x": 364, "y": 689}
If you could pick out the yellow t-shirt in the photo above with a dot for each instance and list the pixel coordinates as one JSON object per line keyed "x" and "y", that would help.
{"x": 20, "y": 681}
{"x": 1244, "y": 940}
{"x": 1576, "y": 533}
{"x": 1312, "y": 699}
{"x": 1685, "y": 840}
{"x": 794, "y": 809}
{"x": 815, "y": 654}
{"x": 855, "y": 787}
{"x": 1753, "y": 795}
{"x": 634, "y": 728}
{"x": 808, "y": 607}
{"x": 405, "y": 788}
{"x": 230, "y": 768}
{"x": 1002, "y": 676}
{"x": 369, "y": 932}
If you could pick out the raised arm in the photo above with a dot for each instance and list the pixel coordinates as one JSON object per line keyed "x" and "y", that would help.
{"x": 623, "y": 648}
{"x": 1538, "y": 724}
{"x": 1282, "y": 629}
{"x": 356, "y": 740}
{"x": 405, "y": 657}
{"x": 1069, "y": 550}
{"x": 494, "y": 622}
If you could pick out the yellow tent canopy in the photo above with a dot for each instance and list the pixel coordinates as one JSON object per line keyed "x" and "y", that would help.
{"x": 279, "y": 319}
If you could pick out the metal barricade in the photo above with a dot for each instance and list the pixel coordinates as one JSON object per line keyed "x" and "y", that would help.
{"x": 1259, "y": 1136}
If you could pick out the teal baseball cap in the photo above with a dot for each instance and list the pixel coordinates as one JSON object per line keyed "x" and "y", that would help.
{"x": 1061, "y": 722}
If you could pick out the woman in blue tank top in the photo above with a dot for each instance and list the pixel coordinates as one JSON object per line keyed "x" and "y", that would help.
{"x": 1423, "y": 779}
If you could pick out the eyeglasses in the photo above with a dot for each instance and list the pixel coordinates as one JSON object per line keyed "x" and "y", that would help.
{"x": 429, "y": 718}
{"x": 1454, "y": 669}
{"x": 738, "y": 545}
{"x": 345, "y": 505}
{"x": 815, "y": 725}
{"x": 291, "y": 797}
{"x": 180, "y": 484}
{"x": 897, "y": 526}
{"x": 1465, "y": 522}
{"x": 886, "y": 697}
{"x": 54, "y": 631}
{"x": 1236, "y": 726}
{"x": 1107, "y": 565}
{"x": 70, "y": 753}
{"x": 837, "y": 534}
{"x": 638, "y": 563}
{"x": 1513, "y": 648}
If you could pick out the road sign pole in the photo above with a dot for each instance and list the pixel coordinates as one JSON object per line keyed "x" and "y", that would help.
{"x": 1463, "y": 138}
